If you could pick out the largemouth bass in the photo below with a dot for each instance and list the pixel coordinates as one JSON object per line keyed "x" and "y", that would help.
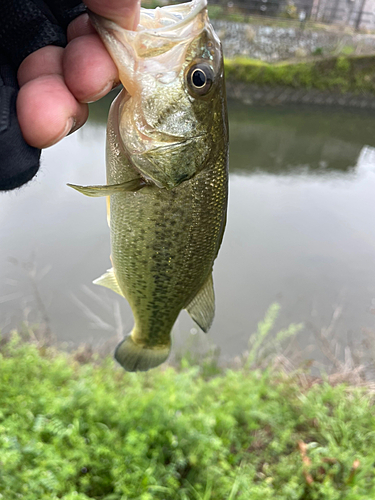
{"x": 167, "y": 173}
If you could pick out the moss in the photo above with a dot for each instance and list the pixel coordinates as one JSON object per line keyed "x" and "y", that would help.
{"x": 343, "y": 64}
{"x": 339, "y": 74}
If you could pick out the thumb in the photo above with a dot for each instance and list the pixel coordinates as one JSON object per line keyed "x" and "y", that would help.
{"x": 123, "y": 12}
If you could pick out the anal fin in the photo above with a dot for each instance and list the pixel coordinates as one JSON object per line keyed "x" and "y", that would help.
{"x": 109, "y": 280}
{"x": 202, "y": 307}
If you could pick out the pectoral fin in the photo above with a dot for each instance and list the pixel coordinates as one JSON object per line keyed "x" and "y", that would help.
{"x": 202, "y": 307}
{"x": 133, "y": 185}
{"x": 109, "y": 280}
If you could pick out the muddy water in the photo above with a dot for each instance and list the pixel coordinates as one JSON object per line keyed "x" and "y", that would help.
{"x": 300, "y": 232}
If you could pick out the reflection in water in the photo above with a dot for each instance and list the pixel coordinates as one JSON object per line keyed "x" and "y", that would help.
{"x": 300, "y": 231}
{"x": 292, "y": 140}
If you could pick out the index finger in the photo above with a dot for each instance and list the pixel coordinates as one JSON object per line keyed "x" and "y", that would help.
{"x": 123, "y": 12}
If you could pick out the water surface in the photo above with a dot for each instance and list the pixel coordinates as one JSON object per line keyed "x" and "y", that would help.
{"x": 300, "y": 232}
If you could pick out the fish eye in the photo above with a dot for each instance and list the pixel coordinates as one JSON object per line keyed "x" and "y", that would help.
{"x": 200, "y": 78}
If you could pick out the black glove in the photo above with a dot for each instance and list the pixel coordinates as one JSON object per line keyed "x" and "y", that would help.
{"x": 25, "y": 26}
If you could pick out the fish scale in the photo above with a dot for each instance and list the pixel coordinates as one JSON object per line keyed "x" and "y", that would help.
{"x": 181, "y": 255}
{"x": 167, "y": 175}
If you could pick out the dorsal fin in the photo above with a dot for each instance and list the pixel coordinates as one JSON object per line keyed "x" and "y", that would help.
{"x": 202, "y": 307}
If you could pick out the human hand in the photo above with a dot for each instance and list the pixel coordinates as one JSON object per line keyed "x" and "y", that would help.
{"x": 56, "y": 84}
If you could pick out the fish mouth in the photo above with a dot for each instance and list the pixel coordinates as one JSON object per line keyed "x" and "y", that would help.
{"x": 161, "y": 35}
{"x": 170, "y": 16}
{"x": 159, "y": 20}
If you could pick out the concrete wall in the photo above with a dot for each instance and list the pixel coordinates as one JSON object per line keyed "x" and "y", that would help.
{"x": 273, "y": 44}
{"x": 356, "y": 13}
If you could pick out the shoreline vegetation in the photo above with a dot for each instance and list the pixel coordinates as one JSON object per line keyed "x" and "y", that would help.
{"x": 75, "y": 426}
{"x": 341, "y": 74}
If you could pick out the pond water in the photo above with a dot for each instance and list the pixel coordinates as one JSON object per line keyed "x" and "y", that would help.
{"x": 300, "y": 232}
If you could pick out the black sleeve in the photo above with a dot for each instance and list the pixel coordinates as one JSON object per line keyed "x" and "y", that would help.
{"x": 65, "y": 11}
{"x": 19, "y": 162}
{"x": 28, "y": 25}
{"x": 25, "y": 26}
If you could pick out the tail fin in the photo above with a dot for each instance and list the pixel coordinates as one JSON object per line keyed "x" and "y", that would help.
{"x": 135, "y": 357}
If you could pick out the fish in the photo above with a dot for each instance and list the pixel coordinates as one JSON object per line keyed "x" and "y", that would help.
{"x": 167, "y": 173}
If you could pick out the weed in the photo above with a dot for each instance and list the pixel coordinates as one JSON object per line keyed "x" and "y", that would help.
{"x": 339, "y": 74}
{"x": 74, "y": 431}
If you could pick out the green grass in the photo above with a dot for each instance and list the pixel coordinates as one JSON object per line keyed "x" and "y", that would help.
{"x": 76, "y": 432}
{"x": 340, "y": 74}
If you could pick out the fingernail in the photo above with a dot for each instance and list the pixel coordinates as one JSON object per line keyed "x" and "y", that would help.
{"x": 136, "y": 19}
{"x": 74, "y": 126}
{"x": 136, "y": 16}
{"x": 69, "y": 127}
{"x": 110, "y": 85}
{"x": 129, "y": 17}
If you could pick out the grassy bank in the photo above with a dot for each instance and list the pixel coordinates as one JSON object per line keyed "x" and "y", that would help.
{"x": 76, "y": 432}
{"x": 339, "y": 74}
